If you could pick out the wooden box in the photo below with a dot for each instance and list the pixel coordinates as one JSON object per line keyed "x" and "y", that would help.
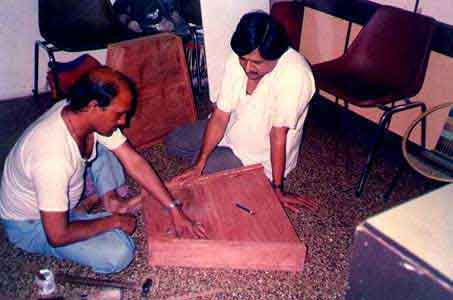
{"x": 157, "y": 66}
{"x": 236, "y": 239}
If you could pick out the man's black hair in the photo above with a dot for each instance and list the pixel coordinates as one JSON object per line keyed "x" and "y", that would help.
{"x": 88, "y": 88}
{"x": 258, "y": 30}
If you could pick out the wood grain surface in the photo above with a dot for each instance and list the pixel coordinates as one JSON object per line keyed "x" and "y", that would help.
{"x": 236, "y": 239}
{"x": 157, "y": 66}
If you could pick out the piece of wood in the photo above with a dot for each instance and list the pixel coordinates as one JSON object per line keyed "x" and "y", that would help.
{"x": 236, "y": 239}
{"x": 157, "y": 66}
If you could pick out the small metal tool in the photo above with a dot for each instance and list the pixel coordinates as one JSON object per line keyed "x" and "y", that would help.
{"x": 244, "y": 208}
{"x": 66, "y": 278}
{"x": 146, "y": 288}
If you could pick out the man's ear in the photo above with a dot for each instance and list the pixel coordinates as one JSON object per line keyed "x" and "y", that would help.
{"x": 93, "y": 104}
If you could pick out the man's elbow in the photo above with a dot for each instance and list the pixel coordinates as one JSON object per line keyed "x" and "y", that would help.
{"x": 56, "y": 240}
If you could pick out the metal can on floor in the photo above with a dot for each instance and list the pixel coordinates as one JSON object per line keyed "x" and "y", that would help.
{"x": 45, "y": 282}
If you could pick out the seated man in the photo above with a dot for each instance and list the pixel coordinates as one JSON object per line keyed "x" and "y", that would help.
{"x": 43, "y": 178}
{"x": 260, "y": 112}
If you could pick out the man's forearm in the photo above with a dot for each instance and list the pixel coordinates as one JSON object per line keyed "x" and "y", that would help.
{"x": 213, "y": 134}
{"x": 139, "y": 169}
{"x": 278, "y": 153}
{"x": 85, "y": 229}
{"x": 60, "y": 232}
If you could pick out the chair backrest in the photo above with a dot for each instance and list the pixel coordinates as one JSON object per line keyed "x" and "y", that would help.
{"x": 393, "y": 49}
{"x": 63, "y": 21}
{"x": 290, "y": 16}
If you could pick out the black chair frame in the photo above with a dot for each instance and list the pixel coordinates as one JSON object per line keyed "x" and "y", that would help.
{"x": 383, "y": 125}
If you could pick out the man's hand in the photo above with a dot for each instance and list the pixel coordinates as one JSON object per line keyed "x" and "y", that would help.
{"x": 185, "y": 226}
{"x": 115, "y": 204}
{"x": 188, "y": 175}
{"x": 292, "y": 201}
{"x": 126, "y": 223}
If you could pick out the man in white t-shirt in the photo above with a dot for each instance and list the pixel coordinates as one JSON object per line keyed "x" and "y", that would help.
{"x": 43, "y": 178}
{"x": 260, "y": 112}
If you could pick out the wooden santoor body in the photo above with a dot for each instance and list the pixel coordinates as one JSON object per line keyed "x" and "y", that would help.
{"x": 236, "y": 239}
{"x": 157, "y": 66}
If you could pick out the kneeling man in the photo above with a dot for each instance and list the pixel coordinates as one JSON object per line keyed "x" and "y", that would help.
{"x": 43, "y": 178}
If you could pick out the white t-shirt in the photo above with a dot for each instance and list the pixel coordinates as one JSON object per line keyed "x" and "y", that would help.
{"x": 44, "y": 170}
{"x": 279, "y": 100}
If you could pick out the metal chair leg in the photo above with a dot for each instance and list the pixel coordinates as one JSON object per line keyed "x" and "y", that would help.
{"x": 386, "y": 118}
{"x": 395, "y": 180}
{"x": 423, "y": 124}
{"x": 50, "y": 50}
{"x": 374, "y": 147}
{"x": 36, "y": 71}
{"x": 402, "y": 166}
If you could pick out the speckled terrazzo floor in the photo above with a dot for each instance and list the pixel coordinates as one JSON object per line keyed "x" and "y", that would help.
{"x": 329, "y": 164}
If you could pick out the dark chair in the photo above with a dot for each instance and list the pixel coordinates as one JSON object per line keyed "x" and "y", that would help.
{"x": 290, "y": 16}
{"x": 75, "y": 26}
{"x": 383, "y": 67}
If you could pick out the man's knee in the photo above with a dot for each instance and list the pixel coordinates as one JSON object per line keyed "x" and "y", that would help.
{"x": 171, "y": 140}
{"x": 106, "y": 171}
{"x": 185, "y": 141}
{"x": 116, "y": 258}
{"x": 222, "y": 158}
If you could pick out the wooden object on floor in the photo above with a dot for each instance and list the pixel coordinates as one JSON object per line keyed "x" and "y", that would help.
{"x": 236, "y": 239}
{"x": 157, "y": 66}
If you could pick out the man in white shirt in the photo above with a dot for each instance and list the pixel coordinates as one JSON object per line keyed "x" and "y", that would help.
{"x": 260, "y": 112}
{"x": 43, "y": 178}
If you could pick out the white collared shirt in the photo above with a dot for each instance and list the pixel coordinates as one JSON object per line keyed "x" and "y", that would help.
{"x": 279, "y": 100}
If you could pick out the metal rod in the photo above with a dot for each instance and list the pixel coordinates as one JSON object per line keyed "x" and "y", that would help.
{"x": 416, "y": 6}
{"x": 65, "y": 278}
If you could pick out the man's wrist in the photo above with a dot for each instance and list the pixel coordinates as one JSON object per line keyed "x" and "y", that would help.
{"x": 277, "y": 186}
{"x": 174, "y": 204}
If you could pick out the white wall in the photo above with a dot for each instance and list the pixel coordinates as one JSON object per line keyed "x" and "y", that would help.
{"x": 19, "y": 30}
{"x": 219, "y": 21}
{"x": 441, "y": 10}
{"x": 406, "y": 4}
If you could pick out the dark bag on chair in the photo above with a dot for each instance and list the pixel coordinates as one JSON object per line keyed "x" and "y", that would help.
{"x": 68, "y": 73}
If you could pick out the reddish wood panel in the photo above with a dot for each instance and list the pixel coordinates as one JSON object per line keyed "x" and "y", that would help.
{"x": 236, "y": 239}
{"x": 157, "y": 66}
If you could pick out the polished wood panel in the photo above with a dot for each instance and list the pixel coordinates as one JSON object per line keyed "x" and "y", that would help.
{"x": 157, "y": 66}
{"x": 236, "y": 239}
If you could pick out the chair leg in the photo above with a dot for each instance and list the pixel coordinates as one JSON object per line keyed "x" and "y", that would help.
{"x": 395, "y": 179}
{"x": 36, "y": 71}
{"x": 383, "y": 124}
{"x": 423, "y": 124}
{"x": 402, "y": 166}
{"x": 50, "y": 50}
{"x": 385, "y": 118}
